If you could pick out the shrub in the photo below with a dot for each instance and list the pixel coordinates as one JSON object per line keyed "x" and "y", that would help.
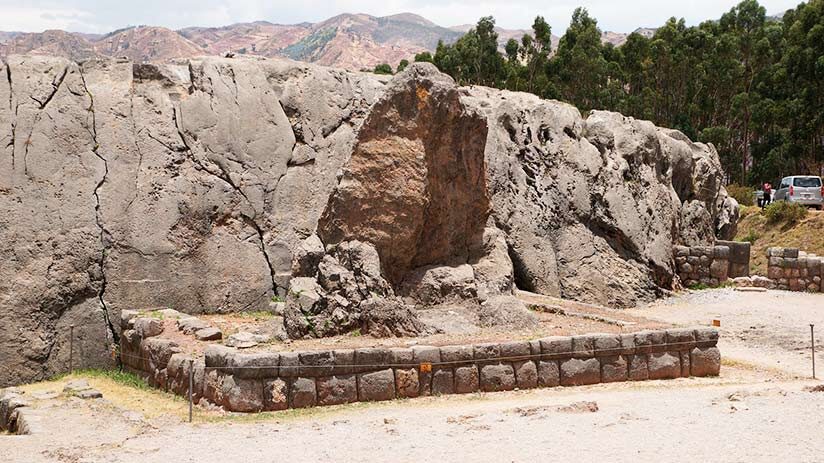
{"x": 784, "y": 212}
{"x": 743, "y": 194}
{"x": 751, "y": 237}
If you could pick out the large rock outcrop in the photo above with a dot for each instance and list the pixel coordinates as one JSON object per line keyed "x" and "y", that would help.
{"x": 220, "y": 184}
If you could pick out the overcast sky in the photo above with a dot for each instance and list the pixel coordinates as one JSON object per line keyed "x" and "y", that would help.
{"x": 106, "y": 15}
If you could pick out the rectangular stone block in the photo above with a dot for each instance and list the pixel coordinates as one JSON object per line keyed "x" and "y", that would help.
{"x": 549, "y": 373}
{"x": 627, "y": 343}
{"x": 376, "y": 386}
{"x": 344, "y": 361}
{"x": 255, "y": 365}
{"x": 407, "y": 382}
{"x": 497, "y": 377}
{"x": 614, "y": 369}
{"x": 638, "y": 367}
{"x": 556, "y": 347}
{"x": 457, "y": 355}
{"x": 664, "y": 365}
{"x": 466, "y": 379}
{"x": 681, "y": 251}
{"x": 336, "y": 390}
{"x": 650, "y": 341}
{"x": 302, "y": 393}
{"x": 721, "y": 252}
{"x": 526, "y": 374}
{"x": 289, "y": 364}
{"x": 706, "y": 337}
{"x": 313, "y": 364}
{"x": 583, "y": 346}
{"x": 443, "y": 382}
{"x": 487, "y": 351}
{"x": 371, "y": 359}
{"x": 705, "y": 361}
{"x": 791, "y": 253}
{"x": 606, "y": 345}
{"x": 680, "y": 339}
{"x": 240, "y": 395}
{"x": 515, "y": 351}
{"x": 401, "y": 357}
{"x": 577, "y": 372}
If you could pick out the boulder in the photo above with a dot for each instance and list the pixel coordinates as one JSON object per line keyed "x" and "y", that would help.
{"x": 375, "y": 386}
{"x": 497, "y": 377}
{"x": 335, "y": 390}
{"x": 577, "y": 372}
{"x": 389, "y": 317}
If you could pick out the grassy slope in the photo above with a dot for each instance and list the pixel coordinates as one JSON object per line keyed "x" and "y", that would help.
{"x": 807, "y": 235}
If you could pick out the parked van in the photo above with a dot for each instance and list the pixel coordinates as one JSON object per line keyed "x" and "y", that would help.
{"x": 802, "y": 189}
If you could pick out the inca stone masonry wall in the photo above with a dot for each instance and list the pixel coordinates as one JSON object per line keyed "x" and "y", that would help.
{"x": 795, "y": 270}
{"x": 712, "y": 265}
{"x": 265, "y": 381}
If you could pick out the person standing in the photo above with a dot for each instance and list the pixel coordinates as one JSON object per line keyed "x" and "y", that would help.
{"x": 767, "y": 196}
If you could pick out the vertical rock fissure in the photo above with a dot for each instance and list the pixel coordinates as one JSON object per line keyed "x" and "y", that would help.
{"x": 104, "y": 239}
{"x": 224, "y": 176}
{"x": 14, "y": 118}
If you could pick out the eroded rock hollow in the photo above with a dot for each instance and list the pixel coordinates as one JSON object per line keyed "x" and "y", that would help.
{"x": 367, "y": 203}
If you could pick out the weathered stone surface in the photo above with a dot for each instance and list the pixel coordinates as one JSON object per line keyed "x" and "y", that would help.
{"x": 549, "y": 373}
{"x": 497, "y": 377}
{"x": 190, "y": 325}
{"x": 614, "y": 369}
{"x": 526, "y": 374}
{"x": 302, "y": 393}
{"x": 556, "y": 347}
{"x": 199, "y": 186}
{"x": 576, "y": 372}
{"x": 275, "y": 395}
{"x": 335, "y": 390}
{"x": 406, "y": 382}
{"x": 443, "y": 382}
{"x": 375, "y": 386}
{"x": 255, "y": 365}
{"x": 664, "y": 365}
{"x": 705, "y": 361}
{"x": 638, "y": 367}
{"x": 506, "y": 311}
{"x": 382, "y": 318}
{"x": 148, "y": 327}
{"x": 208, "y": 334}
{"x": 466, "y": 379}
{"x": 240, "y": 395}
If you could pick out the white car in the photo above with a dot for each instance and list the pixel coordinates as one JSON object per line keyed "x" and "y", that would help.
{"x": 802, "y": 189}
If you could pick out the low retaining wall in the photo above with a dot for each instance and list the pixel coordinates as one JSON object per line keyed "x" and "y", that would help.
{"x": 739, "y": 258}
{"x": 712, "y": 265}
{"x": 706, "y": 265}
{"x": 795, "y": 270}
{"x": 265, "y": 381}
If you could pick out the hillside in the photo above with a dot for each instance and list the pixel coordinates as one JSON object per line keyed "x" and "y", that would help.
{"x": 350, "y": 41}
{"x": 805, "y": 235}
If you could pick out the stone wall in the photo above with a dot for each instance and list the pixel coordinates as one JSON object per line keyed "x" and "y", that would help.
{"x": 246, "y": 381}
{"x": 712, "y": 265}
{"x": 794, "y": 270}
{"x": 705, "y": 265}
{"x": 739, "y": 258}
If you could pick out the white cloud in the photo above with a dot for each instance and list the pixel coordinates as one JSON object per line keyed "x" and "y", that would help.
{"x": 106, "y": 15}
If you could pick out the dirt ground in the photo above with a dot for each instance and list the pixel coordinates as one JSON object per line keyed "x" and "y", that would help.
{"x": 761, "y": 408}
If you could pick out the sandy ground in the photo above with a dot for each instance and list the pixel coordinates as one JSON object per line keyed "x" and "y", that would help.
{"x": 760, "y": 409}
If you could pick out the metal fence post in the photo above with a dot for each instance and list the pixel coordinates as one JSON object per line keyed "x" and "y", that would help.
{"x": 812, "y": 345}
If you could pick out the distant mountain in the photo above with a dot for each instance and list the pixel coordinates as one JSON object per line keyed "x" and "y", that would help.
{"x": 619, "y": 38}
{"x": 351, "y": 41}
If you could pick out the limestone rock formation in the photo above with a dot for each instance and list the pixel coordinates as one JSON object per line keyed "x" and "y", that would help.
{"x": 217, "y": 185}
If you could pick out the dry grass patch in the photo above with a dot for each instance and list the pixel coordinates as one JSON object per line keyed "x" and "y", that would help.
{"x": 805, "y": 235}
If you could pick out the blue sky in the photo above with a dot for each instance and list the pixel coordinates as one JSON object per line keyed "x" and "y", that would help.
{"x": 106, "y": 15}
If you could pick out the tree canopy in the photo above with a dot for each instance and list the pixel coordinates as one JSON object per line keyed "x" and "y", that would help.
{"x": 752, "y": 86}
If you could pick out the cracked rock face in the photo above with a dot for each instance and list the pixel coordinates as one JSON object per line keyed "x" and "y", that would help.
{"x": 216, "y": 185}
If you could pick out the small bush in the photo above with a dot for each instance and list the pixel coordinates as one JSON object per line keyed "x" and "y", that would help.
{"x": 743, "y": 194}
{"x": 784, "y": 212}
{"x": 751, "y": 237}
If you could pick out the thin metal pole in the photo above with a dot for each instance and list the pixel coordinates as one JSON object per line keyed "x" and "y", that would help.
{"x": 191, "y": 386}
{"x": 812, "y": 345}
{"x": 71, "y": 349}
